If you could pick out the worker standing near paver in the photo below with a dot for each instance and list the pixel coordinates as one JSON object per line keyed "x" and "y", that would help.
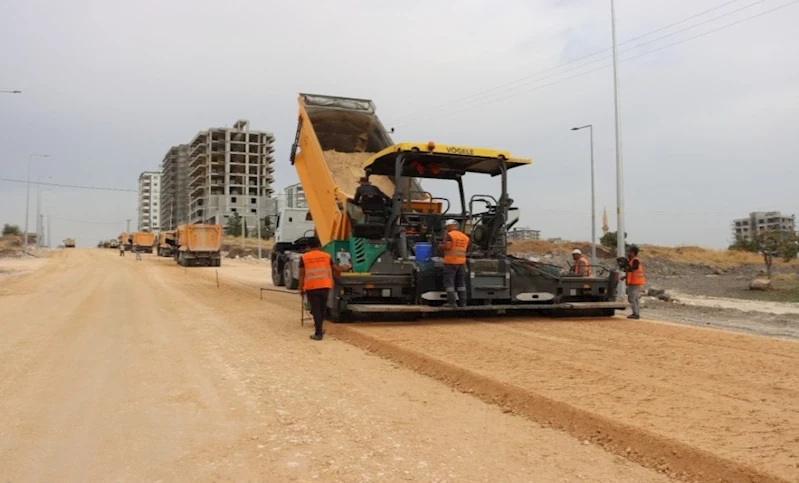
{"x": 454, "y": 246}
{"x": 635, "y": 280}
{"x": 581, "y": 266}
{"x": 316, "y": 280}
{"x": 121, "y": 250}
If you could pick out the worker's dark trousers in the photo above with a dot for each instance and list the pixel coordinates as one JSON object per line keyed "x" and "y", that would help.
{"x": 455, "y": 280}
{"x": 317, "y": 299}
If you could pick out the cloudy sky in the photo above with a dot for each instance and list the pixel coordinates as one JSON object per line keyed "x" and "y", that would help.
{"x": 709, "y": 125}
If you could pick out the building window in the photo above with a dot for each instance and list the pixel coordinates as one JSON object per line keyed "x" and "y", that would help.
{"x": 254, "y": 210}
{"x": 232, "y": 199}
{"x": 253, "y": 200}
{"x": 233, "y": 210}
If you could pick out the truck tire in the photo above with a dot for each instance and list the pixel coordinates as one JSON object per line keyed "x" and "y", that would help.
{"x": 277, "y": 274}
{"x": 288, "y": 277}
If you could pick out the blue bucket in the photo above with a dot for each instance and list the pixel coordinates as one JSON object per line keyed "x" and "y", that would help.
{"x": 424, "y": 252}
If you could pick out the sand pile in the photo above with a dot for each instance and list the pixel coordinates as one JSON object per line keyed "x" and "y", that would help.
{"x": 347, "y": 169}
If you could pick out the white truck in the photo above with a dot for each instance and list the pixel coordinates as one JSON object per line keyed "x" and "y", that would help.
{"x": 293, "y": 229}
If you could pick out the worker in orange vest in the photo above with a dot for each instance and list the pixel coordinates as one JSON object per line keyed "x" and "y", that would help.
{"x": 635, "y": 280}
{"x": 454, "y": 246}
{"x": 316, "y": 280}
{"x": 581, "y": 266}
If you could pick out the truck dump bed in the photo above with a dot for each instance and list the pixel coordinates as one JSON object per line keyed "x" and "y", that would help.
{"x": 200, "y": 238}
{"x": 335, "y": 137}
{"x": 143, "y": 239}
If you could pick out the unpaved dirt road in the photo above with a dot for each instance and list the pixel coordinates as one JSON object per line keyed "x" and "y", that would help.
{"x": 117, "y": 370}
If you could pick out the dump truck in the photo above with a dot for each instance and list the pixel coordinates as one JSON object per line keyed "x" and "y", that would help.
{"x": 125, "y": 239}
{"x": 392, "y": 243}
{"x": 198, "y": 245}
{"x": 143, "y": 241}
{"x": 69, "y": 243}
{"x": 294, "y": 228}
{"x": 163, "y": 246}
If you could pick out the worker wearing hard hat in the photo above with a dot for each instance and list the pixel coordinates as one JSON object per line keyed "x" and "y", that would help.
{"x": 454, "y": 246}
{"x": 581, "y": 266}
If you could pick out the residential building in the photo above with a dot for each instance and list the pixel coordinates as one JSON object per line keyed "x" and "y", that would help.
{"x": 175, "y": 187}
{"x": 231, "y": 172}
{"x": 762, "y": 221}
{"x": 292, "y": 197}
{"x": 524, "y": 233}
{"x": 149, "y": 197}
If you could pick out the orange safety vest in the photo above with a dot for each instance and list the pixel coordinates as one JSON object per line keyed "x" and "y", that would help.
{"x": 636, "y": 277}
{"x": 582, "y": 267}
{"x": 456, "y": 255}
{"x": 318, "y": 274}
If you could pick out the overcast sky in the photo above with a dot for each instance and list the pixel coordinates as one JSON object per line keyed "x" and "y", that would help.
{"x": 709, "y": 126}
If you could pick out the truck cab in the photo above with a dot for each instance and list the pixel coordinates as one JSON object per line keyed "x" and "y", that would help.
{"x": 293, "y": 228}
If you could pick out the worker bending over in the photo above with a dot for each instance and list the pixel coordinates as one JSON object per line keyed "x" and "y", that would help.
{"x": 454, "y": 246}
{"x": 581, "y": 266}
{"x": 316, "y": 280}
{"x": 635, "y": 280}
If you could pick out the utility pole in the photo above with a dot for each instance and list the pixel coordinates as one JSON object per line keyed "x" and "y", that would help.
{"x": 28, "y": 199}
{"x": 620, "y": 229}
{"x": 128, "y": 227}
{"x": 593, "y": 197}
{"x": 258, "y": 209}
{"x": 49, "y": 231}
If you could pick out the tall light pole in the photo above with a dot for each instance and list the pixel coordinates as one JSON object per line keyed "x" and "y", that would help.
{"x": 593, "y": 197}
{"x": 28, "y": 198}
{"x": 620, "y": 230}
{"x": 39, "y": 222}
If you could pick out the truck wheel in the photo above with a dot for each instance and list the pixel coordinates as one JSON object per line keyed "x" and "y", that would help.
{"x": 288, "y": 277}
{"x": 277, "y": 274}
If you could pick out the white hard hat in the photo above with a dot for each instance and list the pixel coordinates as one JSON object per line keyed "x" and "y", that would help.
{"x": 450, "y": 223}
{"x": 576, "y": 251}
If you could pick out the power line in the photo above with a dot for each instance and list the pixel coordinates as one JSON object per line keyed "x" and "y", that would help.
{"x": 59, "y": 185}
{"x": 534, "y": 78}
{"x": 472, "y": 104}
{"x": 86, "y": 221}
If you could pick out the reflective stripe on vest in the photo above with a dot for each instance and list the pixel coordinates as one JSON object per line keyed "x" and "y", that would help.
{"x": 456, "y": 255}
{"x": 636, "y": 277}
{"x": 318, "y": 273}
{"x": 582, "y": 267}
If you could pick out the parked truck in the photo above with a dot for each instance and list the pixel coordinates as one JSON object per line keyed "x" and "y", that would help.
{"x": 392, "y": 240}
{"x": 125, "y": 240}
{"x": 199, "y": 245}
{"x": 143, "y": 241}
{"x": 113, "y": 243}
{"x": 69, "y": 243}
{"x": 165, "y": 244}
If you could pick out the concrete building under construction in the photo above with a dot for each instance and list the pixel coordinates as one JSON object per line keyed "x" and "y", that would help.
{"x": 149, "y": 198}
{"x": 175, "y": 187}
{"x": 231, "y": 172}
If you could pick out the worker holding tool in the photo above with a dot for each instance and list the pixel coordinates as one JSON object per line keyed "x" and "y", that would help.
{"x": 454, "y": 246}
{"x": 581, "y": 266}
{"x": 635, "y": 280}
{"x": 316, "y": 280}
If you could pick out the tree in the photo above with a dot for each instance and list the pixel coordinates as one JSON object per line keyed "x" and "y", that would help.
{"x": 267, "y": 231}
{"x": 9, "y": 230}
{"x": 770, "y": 244}
{"x": 610, "y": 240}
{"x": 234, "y": 225}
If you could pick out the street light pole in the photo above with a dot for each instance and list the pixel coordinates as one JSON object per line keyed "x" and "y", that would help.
{"x": 39, "y": 222}
{"x": 593, "y": 196}
{"x": 620, "y": 230}
{"x": 28, "y": 199}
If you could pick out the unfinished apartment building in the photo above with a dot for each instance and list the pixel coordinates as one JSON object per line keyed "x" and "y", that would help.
{"x": 231, "y": 172}
{"x": 175, "y": 187}
{"x": 149, "y": 197}
{"x": 762, "y": 221}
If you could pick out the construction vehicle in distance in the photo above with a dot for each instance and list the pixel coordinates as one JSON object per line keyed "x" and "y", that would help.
{"x": 143, "y": 241}
{"x": 69, "y": 243}
{"x": 113, "y": 243}
{"x": 125, "y": 240}
{"x": 162, "y": 246}
{"x": 293, "y": 230}
{"x": 391, "y": 243}
{"x": 198, "y": 245}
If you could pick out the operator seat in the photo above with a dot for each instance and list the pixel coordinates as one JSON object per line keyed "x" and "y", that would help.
{"x": 376, "y": 212}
